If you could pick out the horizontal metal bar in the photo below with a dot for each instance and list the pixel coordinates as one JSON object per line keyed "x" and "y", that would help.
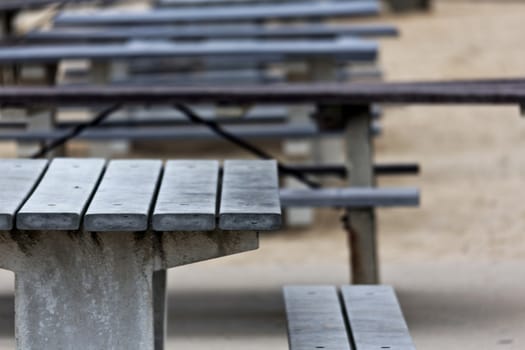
{"x": 310, "y": 32}
{"x": 223, "y": 14}
{"x": 342, "y": 172}
{"x": 397, "y": 169}
{"x": 502, "y": 92}
{"x": 350, "y": 197}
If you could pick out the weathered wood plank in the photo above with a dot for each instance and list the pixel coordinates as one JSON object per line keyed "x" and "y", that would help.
{"x": 250, "y": 196}
{"x": 221, "y": 14}
{"x": 375, "y": 318}
{"x": 351, "y": 49}
{"x": 210, "y": 32}
{"x": 315, "y": 318}
{"x": 19, "y": 177}
{"x": 187, "y": 199}
{"x": 61, "y": 198}
{"x": 124, "y": 197}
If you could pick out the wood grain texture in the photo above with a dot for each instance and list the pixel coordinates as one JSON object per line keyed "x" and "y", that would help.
{"x": 315, "y": 318}
{"x": 124, "y": 198}
{"x": 62, "y": 196}
{"x": 187, "y": 199}
{"x": 250, "y": 196}
{"x": 19, "y": 177}
{"x": 375, "y": 318}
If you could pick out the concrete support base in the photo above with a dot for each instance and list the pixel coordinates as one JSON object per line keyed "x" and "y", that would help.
{"x": 101, "y": 290}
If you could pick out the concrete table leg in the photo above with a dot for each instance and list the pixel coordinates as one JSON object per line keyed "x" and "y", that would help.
{"x": 103, "y": 73}
{"x": 82, "y": 289}
{"x": 361, "y": 222}
{"x": 101, "y": 290}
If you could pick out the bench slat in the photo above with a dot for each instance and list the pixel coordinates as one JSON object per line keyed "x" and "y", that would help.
{"x": 375, "y": 318}
{"x": 187, "y": 199}
{"x": 61, "y": 198}
{"x": 315, "y": 318}
{"x": 211, "y": 32}
{"x": 347, "y": 49}
{"x": 124, "y": 197}
{"x": 19, "y": 177}
{"x": 250, "y": 196}
{"x": 221, "y": 14}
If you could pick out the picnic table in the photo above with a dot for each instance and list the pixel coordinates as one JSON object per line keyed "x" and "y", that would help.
{"x": 48, "y": 56}
{"x": 340, "y": 106}
{"x": 90, "y": 240}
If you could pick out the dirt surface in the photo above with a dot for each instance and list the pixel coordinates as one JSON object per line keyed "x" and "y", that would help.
{"x": 458, "y": 262}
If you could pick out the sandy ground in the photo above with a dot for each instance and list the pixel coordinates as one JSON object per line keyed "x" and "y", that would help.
{"x": 458, "y": 262}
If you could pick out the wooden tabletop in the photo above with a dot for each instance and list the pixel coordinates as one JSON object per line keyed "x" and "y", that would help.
{"x": 139, "y": 195}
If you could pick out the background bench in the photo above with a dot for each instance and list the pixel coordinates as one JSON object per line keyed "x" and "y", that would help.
{"x": 360, "y": 318}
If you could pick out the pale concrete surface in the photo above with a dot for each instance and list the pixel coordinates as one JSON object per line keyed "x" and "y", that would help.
{"x": 458, "y": 262}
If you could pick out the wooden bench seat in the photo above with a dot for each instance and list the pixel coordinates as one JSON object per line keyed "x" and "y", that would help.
{"x": 267, "y": 131}
{"x": 206, "y": 32}
{"x": 359, "y": 318}
{"x": 247, "y": 13}
{"x": 198, "y": 3}
{"x": 347, "y": 50}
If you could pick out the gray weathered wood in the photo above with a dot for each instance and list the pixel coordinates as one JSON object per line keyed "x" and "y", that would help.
{"x": 18, "y": 178}
{"x": 124, "y": 197}
{"x": 190, "y": 132}
{"x": 250, "y": 196}
{"x": 187, "y": 199}
{"x": 375, "y": 318}
{"x": 221, "y": 14}
{"x": 309, "y": 31}
{"x": 198, "y": 3}
{"x": 61, "y": 198}
{"x": 315, "y": 318}
{"x": 345, "y": 49}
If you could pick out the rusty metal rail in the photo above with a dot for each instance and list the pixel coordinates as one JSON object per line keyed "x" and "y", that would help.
{"x": 511, "y": 91}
